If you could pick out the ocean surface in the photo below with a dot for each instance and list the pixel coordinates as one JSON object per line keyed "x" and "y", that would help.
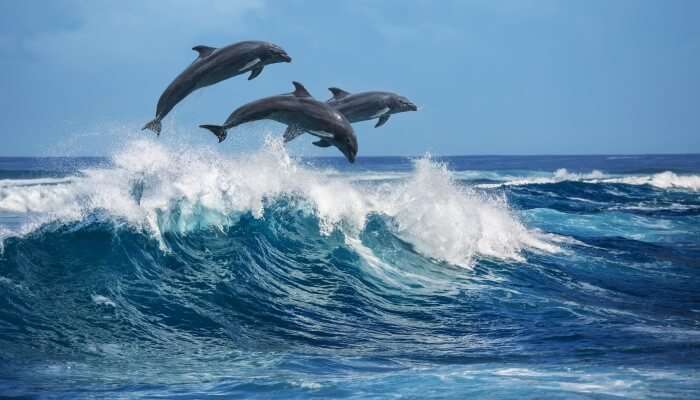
{"x": 170, "y": 273}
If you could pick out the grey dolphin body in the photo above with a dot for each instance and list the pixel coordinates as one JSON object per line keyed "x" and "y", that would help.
{"x": 215, "y": 65}
{"x": 369, "y": 105}
{"x": 363, "y": 106}
{"x": 299, "y": 111}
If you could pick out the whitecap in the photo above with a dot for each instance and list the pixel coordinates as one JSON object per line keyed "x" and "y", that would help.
{"x": 181, "y": 189}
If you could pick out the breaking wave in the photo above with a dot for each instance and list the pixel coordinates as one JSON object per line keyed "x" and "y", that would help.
{"x": 662, "y": 180}
{"x": 173, "y": 270}
{"x": 159, "y": 189}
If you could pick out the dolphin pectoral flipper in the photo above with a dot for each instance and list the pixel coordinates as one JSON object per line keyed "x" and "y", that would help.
{"x": 292, "y": 133}
{"x": 255, "y": 72}
{"x": 204, "y": 50}
{"x": 382, "y": 120}
{"x": 217, "y": 130}
{"x": 322, "y": 143}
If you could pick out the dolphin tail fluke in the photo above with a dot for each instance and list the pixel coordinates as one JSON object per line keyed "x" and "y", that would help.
{"x": 218, "y": 130}
{"x": 153, "y": 125}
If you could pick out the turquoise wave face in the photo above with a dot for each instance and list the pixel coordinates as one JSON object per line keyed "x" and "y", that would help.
{"x": 265, "y": 276}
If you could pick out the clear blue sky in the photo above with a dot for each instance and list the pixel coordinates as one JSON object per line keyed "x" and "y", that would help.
{"x": 508, "y": 77}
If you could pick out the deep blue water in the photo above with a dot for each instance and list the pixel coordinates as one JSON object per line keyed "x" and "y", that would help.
{"x": 155, "y": 274}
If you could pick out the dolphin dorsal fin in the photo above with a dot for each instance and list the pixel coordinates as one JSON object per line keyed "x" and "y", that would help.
{"x": 300, "y": 90}
{"x": 203, "y": 50}
{"x": 338, "y": 93}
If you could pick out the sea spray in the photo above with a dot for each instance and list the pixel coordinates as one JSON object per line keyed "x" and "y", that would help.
{"x": 455, "y": 223}
{"x": 168, "y": 189}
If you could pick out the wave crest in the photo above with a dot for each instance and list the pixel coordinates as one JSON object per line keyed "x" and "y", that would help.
{"x": 162, "y": 189}
{"x": 661, "y": 180}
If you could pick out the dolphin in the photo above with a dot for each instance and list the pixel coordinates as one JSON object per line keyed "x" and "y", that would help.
{"x": 362, "y": 107}
{"x": 299, "y": 111}
{"x": 215, "y": 65}
{"x": 369, "y": 105}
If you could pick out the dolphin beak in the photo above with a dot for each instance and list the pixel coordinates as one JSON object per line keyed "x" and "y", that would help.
{"x": 348, "y": 155}
{"x": 412, "y": 107}
{"x": 286, "y": 58}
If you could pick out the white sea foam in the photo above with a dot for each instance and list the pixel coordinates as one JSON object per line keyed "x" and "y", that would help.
{"x": 560, "y": 175}
{"x": 32, "y": 182}
{"x": 662, "y": 180}
{"x": 102, "y": 300}
{"x": 161, "y": 188}
{"x": 453, "y": 223}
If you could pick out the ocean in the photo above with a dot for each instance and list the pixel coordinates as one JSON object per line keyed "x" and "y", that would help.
{"x": 184, "y": 273}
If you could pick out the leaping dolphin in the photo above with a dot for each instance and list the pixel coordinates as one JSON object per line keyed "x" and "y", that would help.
{"x": 363, "y": 106}
{"x": 299, "y": 111}
{"x": 369, "y": 105}
{"x": 215, "y": 65}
